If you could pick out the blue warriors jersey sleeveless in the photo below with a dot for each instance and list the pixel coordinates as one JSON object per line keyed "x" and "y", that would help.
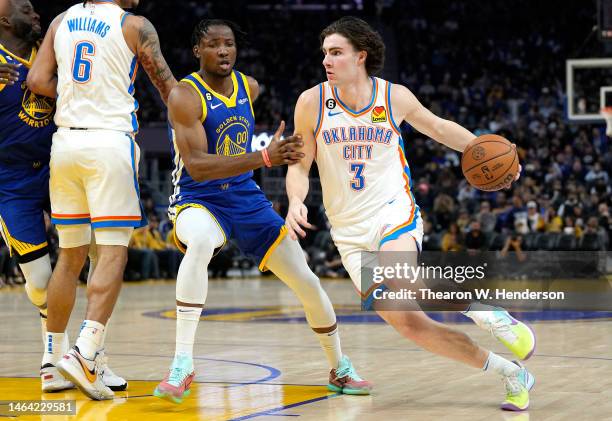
{"x": 26, "y": 119}
{"x": 229, "y": 125}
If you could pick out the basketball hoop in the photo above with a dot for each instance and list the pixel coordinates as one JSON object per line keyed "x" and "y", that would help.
{"x": 606, "y": 112}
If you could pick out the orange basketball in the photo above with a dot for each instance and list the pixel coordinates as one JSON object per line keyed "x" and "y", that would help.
{"x": 490, "y": 162}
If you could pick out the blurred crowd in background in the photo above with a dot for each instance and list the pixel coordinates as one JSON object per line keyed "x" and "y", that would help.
{"x": 496, "y": 67}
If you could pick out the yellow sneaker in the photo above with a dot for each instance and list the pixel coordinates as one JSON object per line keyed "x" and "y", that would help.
{"x": 517, "y": 390}
{"x": 514, "y": 334}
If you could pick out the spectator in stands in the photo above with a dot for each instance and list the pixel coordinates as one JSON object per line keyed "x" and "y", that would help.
{"x": 535, "y": 222}
{"x": 569, "y": 227}
{"x": 554, "y": 223}
{"x": 567, "y": 208}
{"x": 475, "y": 239}
{"x": 486, "y": 218}
{"x": 452, "y": 239}
{"x": 514, "y": 243}
{"x": 332, "y": 265}
{"x": 142, "y": 262}
{"x": 463, "y": 221}
{"x": 444, "y": 210}
{"x": 517, "y": 217}
{"x": 597, "y": 173}
{"x": 151, "y": 238}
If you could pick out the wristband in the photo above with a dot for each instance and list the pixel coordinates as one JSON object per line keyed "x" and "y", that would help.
{"x": 266, "y": 158}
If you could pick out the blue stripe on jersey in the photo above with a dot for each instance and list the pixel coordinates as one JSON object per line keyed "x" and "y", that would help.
{"x": 125, "y": 15}
{"x": 319, "y": 119}
{"x": 229, "y": 131}
{"x": 131, "y": 89}
{"x": 132, "y": 70}
{"x": 135, "y": 125}
{"x": 407, "y": 167}
{"x": 364, "y": 108}
{"x": 391, "y": 110}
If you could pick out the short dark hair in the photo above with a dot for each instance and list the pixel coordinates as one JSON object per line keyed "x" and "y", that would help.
{"x": 362, "y": 37}
{"x": 201, "y": 29}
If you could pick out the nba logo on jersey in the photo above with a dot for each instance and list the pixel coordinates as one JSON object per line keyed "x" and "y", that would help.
{"x": 379, "y": 114}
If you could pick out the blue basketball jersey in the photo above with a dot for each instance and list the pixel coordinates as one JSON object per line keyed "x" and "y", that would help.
{"x": 229, "y": 125}
{"x": 26, "y": 119}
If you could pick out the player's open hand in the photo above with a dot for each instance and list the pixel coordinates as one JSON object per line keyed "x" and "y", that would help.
{"x": 9, "y": 73}
{"x": 297, "y": 217}
{"x": 518, "y": 173}
{"x": 285, "y": 151}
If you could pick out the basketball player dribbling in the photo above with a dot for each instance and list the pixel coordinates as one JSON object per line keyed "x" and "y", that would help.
{"x": 215, "y": 199}
{"x": 89, "y": 60}
{"x": 350, "y": 125}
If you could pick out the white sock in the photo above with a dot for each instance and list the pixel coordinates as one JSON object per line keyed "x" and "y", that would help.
{"x": 53, "y": 348}
{"x": 500, "y": 365}
{"x": 103, "y": 343}
{"x": 43, "y": 326}
{"x": 90, "y": 338}
{"x": 330, "y": 342}
{"x": 187, "y": 319}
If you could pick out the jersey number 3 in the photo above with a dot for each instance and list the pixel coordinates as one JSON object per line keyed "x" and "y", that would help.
{"x": 358, "y": 180}
{"x": 82, "y": 64}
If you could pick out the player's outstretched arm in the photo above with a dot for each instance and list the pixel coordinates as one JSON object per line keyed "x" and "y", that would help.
{"x": 42, "y": 77}
{"x": 142, "y": 38}
{"x": 185, "y": 111}
{"x": 406, "y": 107}
{"x": 297, "y": 175}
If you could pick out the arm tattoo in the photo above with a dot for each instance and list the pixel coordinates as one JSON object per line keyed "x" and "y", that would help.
{"x": 152, "y": 60}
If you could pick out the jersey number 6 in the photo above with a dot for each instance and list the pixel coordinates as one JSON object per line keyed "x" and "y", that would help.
{"x": 82, "y": 64}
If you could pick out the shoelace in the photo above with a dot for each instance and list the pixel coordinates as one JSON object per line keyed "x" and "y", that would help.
{"x": 101, "y": 362}
{"x": 501, "y": 329}
{"x": 177, "y": 375}
{"x": 347, "y": 370}
{"x": 513, "y": 384}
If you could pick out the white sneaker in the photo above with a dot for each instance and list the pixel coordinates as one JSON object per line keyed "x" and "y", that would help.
{"x": 110, "y": 379}
{"x": 84, "y": 374}
{"x": 52, "y": 381}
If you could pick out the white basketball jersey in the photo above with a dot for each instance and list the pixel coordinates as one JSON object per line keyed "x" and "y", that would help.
{"x": 95, "y": 70}
{"x": 360, "y": 156}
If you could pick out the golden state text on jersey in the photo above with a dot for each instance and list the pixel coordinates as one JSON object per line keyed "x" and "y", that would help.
{"x": 229, "y": 125}
{"x": 26, "y": 119}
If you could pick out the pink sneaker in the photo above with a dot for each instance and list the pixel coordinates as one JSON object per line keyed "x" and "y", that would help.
{"x": 344, "y": 379}
{"x": 177, "y": 383}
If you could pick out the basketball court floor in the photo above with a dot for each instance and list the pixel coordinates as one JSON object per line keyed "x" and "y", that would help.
{"x": 257, "y": 359}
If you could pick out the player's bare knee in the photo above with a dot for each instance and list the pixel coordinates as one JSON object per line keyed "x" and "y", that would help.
{"x": 112, "y": 256}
